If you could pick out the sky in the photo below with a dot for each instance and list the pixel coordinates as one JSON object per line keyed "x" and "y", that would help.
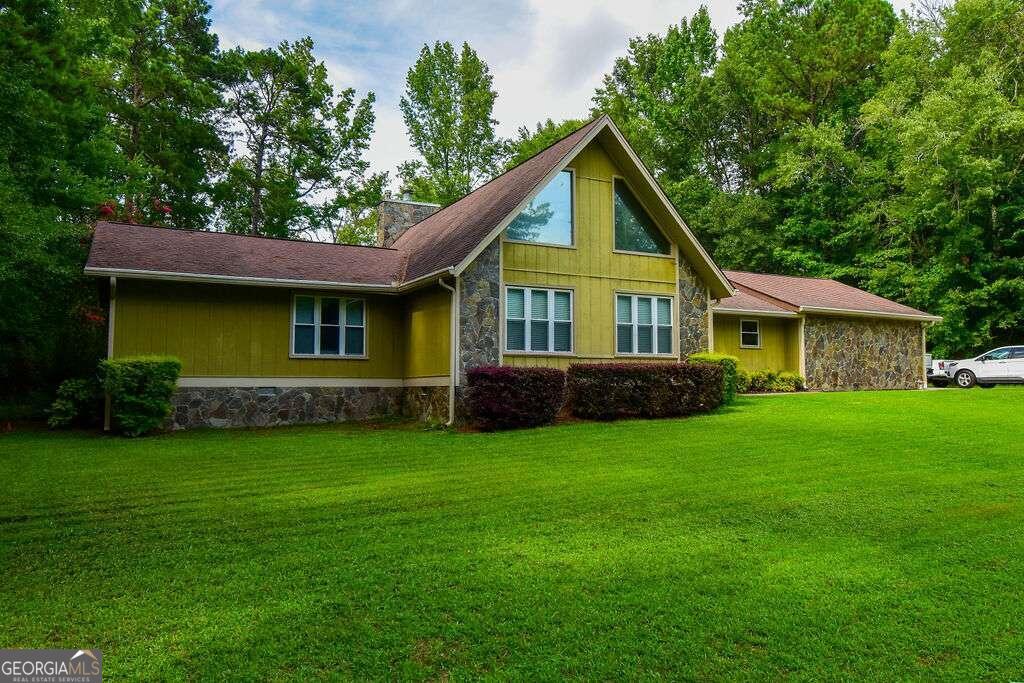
{"x": 547, "y": 57}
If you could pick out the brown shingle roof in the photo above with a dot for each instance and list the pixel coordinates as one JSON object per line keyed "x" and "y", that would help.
{"x": 441, "y": 241}
{"x": 742, "y": 301}
{"x": 815, "y": 293}
{"x": 444, "y": 239}
{"x": 121, "y": 246}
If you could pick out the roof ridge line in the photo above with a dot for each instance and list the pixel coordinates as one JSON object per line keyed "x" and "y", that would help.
{"x": 441, "y": 211}
{"x": 764, "y": 296}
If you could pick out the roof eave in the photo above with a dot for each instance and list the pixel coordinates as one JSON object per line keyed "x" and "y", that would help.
{"x": 750, "y": 311}
{"x": 822, "y": 310}
{"x": 168, "y": 276}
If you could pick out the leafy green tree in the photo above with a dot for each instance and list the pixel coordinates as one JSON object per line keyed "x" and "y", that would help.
{"x": 298, "y": 163}
{"x": 529, "y": 142}
{"x": 55, "y": 165}
{"x": 447, "y": 108}
{"x": 661, "y": 94}
{"x": 161, "y": 85}
{"x": 954, "y": 214}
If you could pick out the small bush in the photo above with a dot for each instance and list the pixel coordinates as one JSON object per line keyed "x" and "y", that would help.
{"x": 79, "y": 403}
{"x": 742, "y": 381}
{"x": 140, "y": 391}
{"x": 510, "y": 398}
{"x": 622, "y": 390}
{"x": 730, "y": 368}
{"x": 769, "y": 381}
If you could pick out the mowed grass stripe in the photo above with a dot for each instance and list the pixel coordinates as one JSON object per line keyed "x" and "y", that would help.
{"x": 814, "y": 536}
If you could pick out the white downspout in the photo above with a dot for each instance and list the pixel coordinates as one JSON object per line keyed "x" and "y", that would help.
{"x": 453, "y": 342}
{"x": 112, "y": 306}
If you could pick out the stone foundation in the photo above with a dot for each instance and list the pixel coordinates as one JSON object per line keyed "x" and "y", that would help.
{"x": 273, "y": 406}
{"x": 857, "y": 353}
{"x": 426, "y": 404}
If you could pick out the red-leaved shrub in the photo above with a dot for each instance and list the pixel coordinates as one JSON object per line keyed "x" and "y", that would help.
{"x": 509, "y": 398}
{"x": 622, "y": 390}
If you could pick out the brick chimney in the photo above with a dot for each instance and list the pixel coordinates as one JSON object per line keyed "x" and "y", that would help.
{"x": 395, "y": 216}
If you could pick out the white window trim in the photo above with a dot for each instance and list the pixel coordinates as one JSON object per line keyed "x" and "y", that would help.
{"x": 528, "y": 290}
{"x": 756, "y": 322}
{"x": 635, "y": 325}
{"x": 671, "y": 245}
{"x": 572, "y": 217}
{"x": 342, "y": 302}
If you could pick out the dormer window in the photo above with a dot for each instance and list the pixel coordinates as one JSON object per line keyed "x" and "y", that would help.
{"x": 548, "y": 218}
{"x": 634, "y": 229}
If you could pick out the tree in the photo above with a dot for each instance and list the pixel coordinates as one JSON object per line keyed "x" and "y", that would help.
{"x": 954, "y": 211}
{"x": 529, "y": 142}
{"x": 447, "y": 108}
{"x": 55, "y": 163}
{"x": 298, "y": 163}
{"x": 160, "y": 81}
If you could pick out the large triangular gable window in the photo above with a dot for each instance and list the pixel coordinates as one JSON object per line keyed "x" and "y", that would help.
{"x": 548, "y": 218}
{"x": 634, "y": 229}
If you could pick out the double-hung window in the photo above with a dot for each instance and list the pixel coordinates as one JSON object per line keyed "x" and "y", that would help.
{"x": 643, "y": 324}
{"x": 538, "y": 320}
{"x": 750, "y": 334}
{"x": 328, "y": 326}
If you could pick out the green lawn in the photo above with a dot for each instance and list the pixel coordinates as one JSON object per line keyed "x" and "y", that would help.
{"x": 867, "y": 535}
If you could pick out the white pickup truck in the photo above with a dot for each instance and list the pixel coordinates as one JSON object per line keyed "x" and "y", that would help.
{"x": 936, "y": 371}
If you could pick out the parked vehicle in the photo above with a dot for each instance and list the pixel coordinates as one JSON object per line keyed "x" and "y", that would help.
{"x": 936, "y": 371}
{"x": 1004, "y": 365}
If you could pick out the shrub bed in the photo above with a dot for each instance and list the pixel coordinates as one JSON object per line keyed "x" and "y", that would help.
{"x": 769, "y": 381}
{"x": 622, "y": 390}
{"x": 730, "y": 369}
{"x": 140, "y": 390}
{"x": 510, "y": 398}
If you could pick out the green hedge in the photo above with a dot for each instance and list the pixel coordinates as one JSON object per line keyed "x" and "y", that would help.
{"x": 730, "y": 370}
{"x": 769, "y": 381}
{"x": 140, "y": 390}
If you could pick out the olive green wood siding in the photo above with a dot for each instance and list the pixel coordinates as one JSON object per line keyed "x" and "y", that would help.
{"x": 428, "y": 333}
{"x": 780, "y": 342}
{"x": 233, "y": 331}
{"x": 590, "y": 268}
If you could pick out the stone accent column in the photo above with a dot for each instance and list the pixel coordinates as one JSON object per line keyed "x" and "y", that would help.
{"x": 479, "y": 293}
{"x": 862, "y": 353}
{"x": 396, "y": 216}
{"x": 693, "y": 311}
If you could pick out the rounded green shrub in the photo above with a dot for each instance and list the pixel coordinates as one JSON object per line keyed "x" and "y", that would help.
{"x": 140, "y": 390}
{"x": 730, "y": 372}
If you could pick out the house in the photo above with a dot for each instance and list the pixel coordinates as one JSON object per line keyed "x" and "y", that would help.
{"x": 575, "y": 255}
{"x": 835, "y": 335}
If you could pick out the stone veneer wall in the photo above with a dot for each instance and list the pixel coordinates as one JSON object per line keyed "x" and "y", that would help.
{"x": 861, "y": 353}
{"x": 395, "y": 217}
{"x": 479, "y": 317}
{"x": 426, "y": 404}
{"x": 274, "y": 406}
{"x": 693, "y": 311}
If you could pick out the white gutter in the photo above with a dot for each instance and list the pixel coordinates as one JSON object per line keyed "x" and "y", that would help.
{"x": 453, "y": 361}
{"x": 745, "y": 311}
{"x": 871, "y": 314}
{"x": 237, "y": 279}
